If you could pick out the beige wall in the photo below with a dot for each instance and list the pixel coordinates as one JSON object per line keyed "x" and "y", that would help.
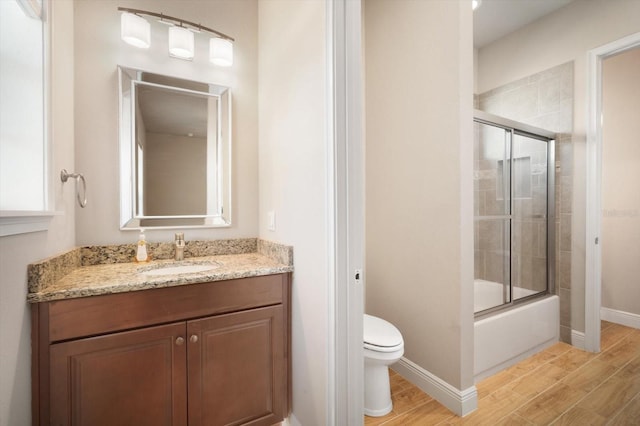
{"x": 293, "y": 179}
{"x": 99, "y": 50}
{"x": 566, "y": 35}
{"x": 17, "y": 251}
{"x": 419, "y": 163}
{"x": 620, "y": 178}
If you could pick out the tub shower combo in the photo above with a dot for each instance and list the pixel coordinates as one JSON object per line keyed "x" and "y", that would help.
{"x": 514, "y": 242}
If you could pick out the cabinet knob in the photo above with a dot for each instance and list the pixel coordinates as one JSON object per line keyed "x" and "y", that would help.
{"x": 193, "y": 338}
{"x": 179, "y": 341}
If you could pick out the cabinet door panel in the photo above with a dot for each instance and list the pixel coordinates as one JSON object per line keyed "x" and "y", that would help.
{"x": 236, "y": 368}
{"x": 128, "y": 378}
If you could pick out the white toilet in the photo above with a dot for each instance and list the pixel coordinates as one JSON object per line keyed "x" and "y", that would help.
{"x": 383, "y": 345}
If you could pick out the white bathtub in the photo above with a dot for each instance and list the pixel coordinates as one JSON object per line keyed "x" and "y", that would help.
{"x": 506, "y": 338}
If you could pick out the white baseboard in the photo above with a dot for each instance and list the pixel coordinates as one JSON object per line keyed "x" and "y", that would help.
{"x": 290, "y": 421}
{"x": 620, "y": 317}
{"x": 577, "y": 339}
{"x": 461, "y": 402}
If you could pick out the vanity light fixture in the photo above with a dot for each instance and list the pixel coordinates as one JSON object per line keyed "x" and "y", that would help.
{"x": 220, "y": 52}
{"x": 475, "y": 4}
{"x": 180, "y": 42}
{"x": 135, "y": 30}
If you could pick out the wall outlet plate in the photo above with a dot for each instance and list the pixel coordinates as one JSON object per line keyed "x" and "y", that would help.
{"x": 271, "y": 221}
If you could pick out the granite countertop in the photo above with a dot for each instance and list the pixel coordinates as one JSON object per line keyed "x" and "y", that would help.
{"x": 65, "y": 276}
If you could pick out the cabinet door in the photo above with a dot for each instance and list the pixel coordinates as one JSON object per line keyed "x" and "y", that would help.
{"x": 135, "y": 378}
{"x": 236, "y": 368}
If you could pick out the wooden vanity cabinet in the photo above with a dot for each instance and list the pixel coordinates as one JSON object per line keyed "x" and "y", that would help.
{"x": 132, "y": 377}
{"x": 202, "y": 354}
{"x": 235, "y": 374}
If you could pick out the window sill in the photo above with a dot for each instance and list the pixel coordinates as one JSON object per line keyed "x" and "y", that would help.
{"x": 23, "y": 222}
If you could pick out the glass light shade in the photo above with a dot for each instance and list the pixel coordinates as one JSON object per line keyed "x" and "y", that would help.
{"x": 221, "y": 52}
{"x": 180, "y": 42}
{"x": 475, "y": 4}
{"x": 135, "y": 30}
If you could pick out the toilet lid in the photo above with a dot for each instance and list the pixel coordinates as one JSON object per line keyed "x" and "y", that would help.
{"x": 381, "y": 333}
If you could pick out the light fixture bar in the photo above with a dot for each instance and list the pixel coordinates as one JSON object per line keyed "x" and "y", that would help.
{"x": 162, "y": 16}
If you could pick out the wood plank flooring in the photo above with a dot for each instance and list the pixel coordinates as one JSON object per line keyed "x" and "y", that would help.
{"x": 561, "y": 385}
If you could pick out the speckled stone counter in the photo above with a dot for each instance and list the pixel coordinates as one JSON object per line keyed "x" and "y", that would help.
{"x": 99, "y": 270}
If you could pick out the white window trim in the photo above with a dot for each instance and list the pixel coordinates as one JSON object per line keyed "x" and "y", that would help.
{"x": 14, "y": 222}
{"x": 23, "y": 222}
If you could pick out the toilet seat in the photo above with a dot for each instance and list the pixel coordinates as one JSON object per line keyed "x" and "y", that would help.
{"x": 380, "y": 335}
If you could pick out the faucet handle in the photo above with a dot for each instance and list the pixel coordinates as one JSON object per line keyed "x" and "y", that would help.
{"x": 180, "y": 244}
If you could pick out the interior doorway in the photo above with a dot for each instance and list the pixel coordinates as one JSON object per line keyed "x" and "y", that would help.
{"x": 593, "y": 248}
{"x": 620, "y": 193}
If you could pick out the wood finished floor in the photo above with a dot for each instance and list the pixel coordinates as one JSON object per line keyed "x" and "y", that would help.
{"x": 561, "y": 385}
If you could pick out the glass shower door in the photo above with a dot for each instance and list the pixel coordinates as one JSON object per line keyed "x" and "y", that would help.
{"x": 492, "y": 211}
{"x": 513, "y": 199}
{"x": 529, "y": 224}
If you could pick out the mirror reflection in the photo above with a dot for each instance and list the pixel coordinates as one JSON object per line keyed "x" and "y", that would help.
{"x": 175, "y": 151}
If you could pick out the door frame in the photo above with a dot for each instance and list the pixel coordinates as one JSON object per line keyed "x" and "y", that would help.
{"x": 345, "y": 129}
{"x": 593, "y": 250}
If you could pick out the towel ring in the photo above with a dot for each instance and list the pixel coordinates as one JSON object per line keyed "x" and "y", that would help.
{"x": 64, "y": 176}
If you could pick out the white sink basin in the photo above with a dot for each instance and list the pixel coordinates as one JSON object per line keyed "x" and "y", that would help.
{"x": 173, "y": 269}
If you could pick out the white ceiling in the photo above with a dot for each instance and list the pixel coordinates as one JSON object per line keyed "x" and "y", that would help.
{"x": 497, "y": 18}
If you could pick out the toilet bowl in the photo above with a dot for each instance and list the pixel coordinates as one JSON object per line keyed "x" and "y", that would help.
{"x": 383, "y": 345}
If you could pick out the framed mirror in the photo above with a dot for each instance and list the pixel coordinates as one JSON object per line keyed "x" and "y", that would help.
{"x": 175, "y": 152}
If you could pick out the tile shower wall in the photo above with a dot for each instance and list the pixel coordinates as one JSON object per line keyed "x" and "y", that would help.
{"x": 545, "y": 100}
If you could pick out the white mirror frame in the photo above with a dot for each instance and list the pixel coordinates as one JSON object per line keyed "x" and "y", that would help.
{"x": 129, "y": 220}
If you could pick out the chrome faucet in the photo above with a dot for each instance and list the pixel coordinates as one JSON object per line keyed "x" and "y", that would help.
{"x": 179, "y": 242}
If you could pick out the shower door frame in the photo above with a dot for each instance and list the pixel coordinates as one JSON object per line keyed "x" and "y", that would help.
{"x": 514, "y": 128}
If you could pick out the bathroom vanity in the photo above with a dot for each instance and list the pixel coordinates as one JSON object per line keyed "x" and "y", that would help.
{"x": 207, "y": 348}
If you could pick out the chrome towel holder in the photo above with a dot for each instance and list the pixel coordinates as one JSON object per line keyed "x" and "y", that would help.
{"x": 64, "y": 176}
